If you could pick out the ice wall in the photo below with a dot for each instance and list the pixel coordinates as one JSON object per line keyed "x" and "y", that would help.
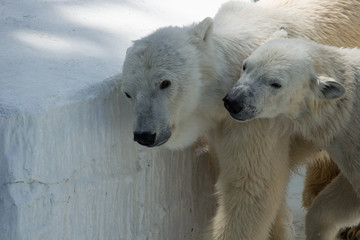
{"x": 68, "y": 166}
{"x": 74, "y": 173}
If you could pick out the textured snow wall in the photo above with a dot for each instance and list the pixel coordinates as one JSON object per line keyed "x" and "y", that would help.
{"x": 75, "y": 173}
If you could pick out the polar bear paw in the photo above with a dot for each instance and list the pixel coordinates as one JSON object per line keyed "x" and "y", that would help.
{"x": 350, "y": 233}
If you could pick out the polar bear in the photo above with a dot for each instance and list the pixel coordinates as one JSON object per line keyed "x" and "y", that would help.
{"x": 311, "y": 90}
{"x": 319, "y": 174}
{"x": 176, "y": 77}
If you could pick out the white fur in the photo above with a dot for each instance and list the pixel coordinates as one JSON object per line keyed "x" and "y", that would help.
{"x": 323, "y": 96}
{"x": 203, "y": 61}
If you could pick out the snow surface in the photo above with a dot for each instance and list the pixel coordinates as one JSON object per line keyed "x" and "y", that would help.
{"x": 69, "y": 169}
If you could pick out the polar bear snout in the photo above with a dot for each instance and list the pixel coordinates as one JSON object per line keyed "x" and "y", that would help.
{"x": 232, "y": 105}
{"x": 145, "y": 138}
{"x": 239, "y": 106}
{"x": 152, "y": 138}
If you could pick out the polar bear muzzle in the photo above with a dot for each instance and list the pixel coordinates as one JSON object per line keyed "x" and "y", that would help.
{"x": 238, "y": 106}
{"x": 150, "y": 139}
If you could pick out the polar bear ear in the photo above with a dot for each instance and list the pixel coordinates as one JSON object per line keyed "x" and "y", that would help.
{"x": 128, "y": 50}
{"x": 280, "y": 33}
{"x": 329, "y": 88}
{"x": 202, "y": 30}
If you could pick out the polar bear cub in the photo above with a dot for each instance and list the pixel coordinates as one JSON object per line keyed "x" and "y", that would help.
{"x": 312, "y": 90}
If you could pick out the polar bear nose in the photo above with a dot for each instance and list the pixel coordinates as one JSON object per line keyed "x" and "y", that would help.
{"x": 145, "y": 138}
{"x": 232, "y": 105}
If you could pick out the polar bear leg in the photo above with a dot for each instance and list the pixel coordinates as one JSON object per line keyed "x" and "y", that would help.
{"x": 283, "y": 228}
{"x": 335, "y": 207}
{"x": 243, "y": 214}
{"x": 233, "y": 222}
{"x": 319, "y": 173}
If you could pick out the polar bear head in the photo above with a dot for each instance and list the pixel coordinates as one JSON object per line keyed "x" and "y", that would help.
{"x": 277, "y": 79}
{"x": 161, "y": 78}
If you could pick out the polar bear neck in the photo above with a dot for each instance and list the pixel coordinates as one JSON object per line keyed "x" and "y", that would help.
{"x": 322, "y": 120}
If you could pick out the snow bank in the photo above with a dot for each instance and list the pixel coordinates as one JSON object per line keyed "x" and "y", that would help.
{"x": 69, "y": 167}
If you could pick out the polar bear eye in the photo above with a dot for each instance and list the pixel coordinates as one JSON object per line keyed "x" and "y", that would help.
{"x": 244, "y": 67}
{"x": 127, "y": 95}
{"x": 276, "y": 85}
{"x": 165, "y": 84}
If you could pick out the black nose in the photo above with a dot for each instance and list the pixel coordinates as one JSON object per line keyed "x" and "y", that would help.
{"x": 232, "y": 105}
{"x": 145, "y": 138}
